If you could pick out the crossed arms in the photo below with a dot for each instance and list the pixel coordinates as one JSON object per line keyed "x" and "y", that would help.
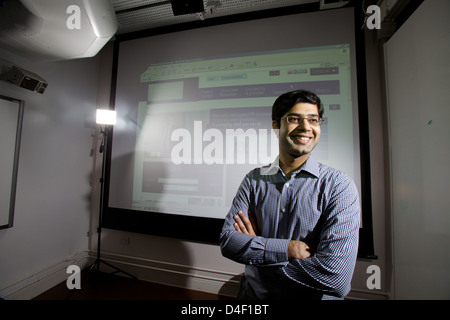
{"x": 247, "y": 225}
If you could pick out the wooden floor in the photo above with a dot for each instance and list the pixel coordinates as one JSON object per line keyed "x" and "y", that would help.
{"x": 103, "y": 286}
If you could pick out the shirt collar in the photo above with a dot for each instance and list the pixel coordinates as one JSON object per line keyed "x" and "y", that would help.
{"x": 311, "y": 166}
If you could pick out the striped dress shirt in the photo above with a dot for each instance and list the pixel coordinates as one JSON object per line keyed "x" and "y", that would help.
{"x": 318, "y": 205}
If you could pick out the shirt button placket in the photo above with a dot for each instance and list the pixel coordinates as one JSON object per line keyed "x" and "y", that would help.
{"x": 283, "y": 208}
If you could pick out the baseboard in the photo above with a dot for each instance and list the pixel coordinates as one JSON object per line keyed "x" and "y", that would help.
{"x": 358, "y": 294}
{"x": 42, "y": 280}
{"x": 177, "y": 275}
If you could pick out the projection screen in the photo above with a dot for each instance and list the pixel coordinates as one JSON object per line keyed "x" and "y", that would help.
{"x": 194, "y": 114}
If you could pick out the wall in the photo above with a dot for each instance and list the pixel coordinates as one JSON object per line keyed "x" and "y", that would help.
{"x": 53, "y": 189}
{"x": 418, "y": 71}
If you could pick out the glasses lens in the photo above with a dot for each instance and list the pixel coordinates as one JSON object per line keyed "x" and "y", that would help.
{"x": 313, "y": 121}
{"x": 293, "y": 119}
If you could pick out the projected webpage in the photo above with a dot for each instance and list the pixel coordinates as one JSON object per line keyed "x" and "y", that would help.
{"x": 206, "y": 123}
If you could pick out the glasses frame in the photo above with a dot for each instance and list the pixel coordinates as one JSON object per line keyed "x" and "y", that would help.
{"x": 308, "y": 118}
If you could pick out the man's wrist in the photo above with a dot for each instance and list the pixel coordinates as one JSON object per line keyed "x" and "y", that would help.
{"x": 298, "y": 250}
{"x": 276, "y": 250}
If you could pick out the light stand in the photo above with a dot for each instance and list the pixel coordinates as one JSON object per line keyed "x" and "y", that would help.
{"x": 102, "y": 150}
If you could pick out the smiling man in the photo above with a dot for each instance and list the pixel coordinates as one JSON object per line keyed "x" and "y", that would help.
{"x": 295, "y": 223}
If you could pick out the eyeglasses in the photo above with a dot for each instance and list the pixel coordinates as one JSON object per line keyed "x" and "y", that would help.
{"x": 296, "y": 119}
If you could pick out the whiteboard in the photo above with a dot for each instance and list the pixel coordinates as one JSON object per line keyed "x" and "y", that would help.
{"x": 11, "y": 114}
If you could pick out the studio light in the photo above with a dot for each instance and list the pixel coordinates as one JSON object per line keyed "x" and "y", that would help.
{"x": 105, "y": 116}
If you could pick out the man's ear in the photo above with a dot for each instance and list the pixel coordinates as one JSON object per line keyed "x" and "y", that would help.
{"x": 275, "y": 127}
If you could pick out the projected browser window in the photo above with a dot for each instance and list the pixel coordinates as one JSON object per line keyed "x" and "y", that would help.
{"x": 206, "y": 123}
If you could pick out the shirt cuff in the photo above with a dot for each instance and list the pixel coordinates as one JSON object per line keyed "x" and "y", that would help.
{"x": 276, "y": 251}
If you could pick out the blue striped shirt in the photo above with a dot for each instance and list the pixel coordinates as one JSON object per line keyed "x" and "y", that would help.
{"x": 318, "y": 205}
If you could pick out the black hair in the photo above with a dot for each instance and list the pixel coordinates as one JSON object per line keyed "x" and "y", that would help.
{"x": 287, "y": 100}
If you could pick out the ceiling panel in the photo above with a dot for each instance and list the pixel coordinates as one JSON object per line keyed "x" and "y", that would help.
{"x": 136, "y": 15}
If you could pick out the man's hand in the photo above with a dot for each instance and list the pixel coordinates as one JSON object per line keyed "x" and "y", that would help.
{"x": 246, "y": 225}
{"x": 298, "y": 250}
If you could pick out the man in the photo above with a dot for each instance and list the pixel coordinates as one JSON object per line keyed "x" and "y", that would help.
{"x": 295, "y": 223}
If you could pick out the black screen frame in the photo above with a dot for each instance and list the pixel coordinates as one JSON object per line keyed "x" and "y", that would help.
{"x": 207, "y": 230}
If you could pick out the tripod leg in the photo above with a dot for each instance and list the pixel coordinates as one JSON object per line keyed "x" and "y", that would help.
{"x": 117, "y": 269}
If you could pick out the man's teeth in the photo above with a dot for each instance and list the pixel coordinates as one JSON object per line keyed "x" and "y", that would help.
{"x": 303, "y": 138}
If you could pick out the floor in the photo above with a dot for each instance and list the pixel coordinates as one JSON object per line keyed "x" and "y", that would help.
{"x": 103, "y": 286}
